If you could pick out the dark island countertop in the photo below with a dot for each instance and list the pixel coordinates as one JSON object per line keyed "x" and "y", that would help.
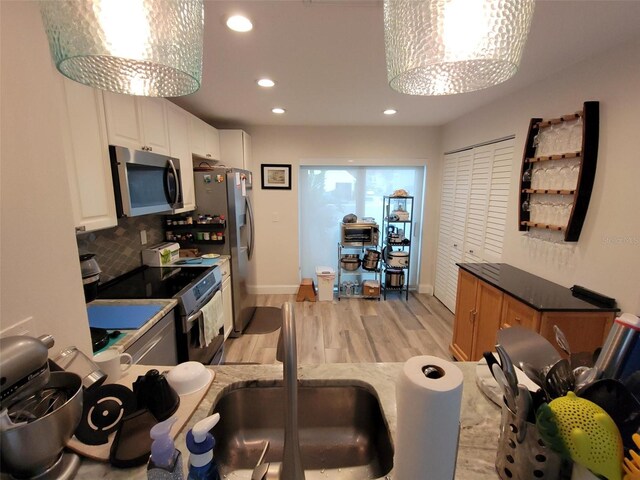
{"x": 536, "y": 292}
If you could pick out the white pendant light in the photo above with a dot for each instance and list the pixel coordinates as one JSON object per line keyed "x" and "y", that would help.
{"x": 138, "y": 47}
{"x": 442, "y": 47}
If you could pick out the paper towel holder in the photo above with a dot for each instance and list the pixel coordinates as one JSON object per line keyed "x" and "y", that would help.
{"x": 433, "y": 372}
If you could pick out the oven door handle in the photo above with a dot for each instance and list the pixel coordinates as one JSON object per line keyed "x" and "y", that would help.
{"x": 190, "y": 320}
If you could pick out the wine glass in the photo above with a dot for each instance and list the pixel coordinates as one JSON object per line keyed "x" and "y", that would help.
{"x": 526, "y": 176}
{"x": 575, "y": 136}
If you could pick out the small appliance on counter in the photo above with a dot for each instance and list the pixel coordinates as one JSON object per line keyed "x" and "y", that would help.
{"x": 40, "y": 411}
{"x": 161, "y": 255}
{"x": 90, "y": 275}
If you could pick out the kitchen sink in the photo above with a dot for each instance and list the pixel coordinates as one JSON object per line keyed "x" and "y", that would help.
{"x": 343, "y": 433}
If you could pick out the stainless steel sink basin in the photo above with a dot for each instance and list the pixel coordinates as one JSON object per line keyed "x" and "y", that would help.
{"x": 343, "y": 433}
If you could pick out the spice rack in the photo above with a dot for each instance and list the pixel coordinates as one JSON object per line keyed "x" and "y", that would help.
{"x": 205, "y": 229}
{"x": 558, "y": 171}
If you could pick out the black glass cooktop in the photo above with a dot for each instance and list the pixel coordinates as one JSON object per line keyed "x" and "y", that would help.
{"x": 150, "y": 282}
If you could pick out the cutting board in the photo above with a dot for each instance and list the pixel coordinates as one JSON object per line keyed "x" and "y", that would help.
{"x": 188, "y": 405}
{"x": 121, "y": 317}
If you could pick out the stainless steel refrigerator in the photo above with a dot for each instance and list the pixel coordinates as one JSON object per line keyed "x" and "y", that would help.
{"x": 227, "y": 191}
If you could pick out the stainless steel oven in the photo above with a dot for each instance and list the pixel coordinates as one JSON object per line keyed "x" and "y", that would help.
{"x": 190, "y": 319}
{"x": 193, "y": 287}
{"x": 359, "y": 234}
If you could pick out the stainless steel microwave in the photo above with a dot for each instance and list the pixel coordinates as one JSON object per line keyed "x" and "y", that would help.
{"x": 359, "y": 234}
{"x": 144, "y": 182}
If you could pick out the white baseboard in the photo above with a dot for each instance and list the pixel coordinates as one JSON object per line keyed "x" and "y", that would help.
{"x": 273, "y": 289}
{"x": 426, "y": 289}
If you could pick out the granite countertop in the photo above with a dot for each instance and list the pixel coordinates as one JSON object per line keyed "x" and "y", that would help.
{"x": 130, "y": 336}
{"x": 479, "y": 418}
{"x": 538, "y": 293}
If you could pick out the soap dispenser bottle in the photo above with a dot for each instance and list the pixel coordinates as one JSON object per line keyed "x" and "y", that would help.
{"x": 165, "y": 462}
{"x": 202, "y": 465}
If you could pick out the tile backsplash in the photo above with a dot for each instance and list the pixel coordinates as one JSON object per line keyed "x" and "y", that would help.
{"x": 118, "y": 249}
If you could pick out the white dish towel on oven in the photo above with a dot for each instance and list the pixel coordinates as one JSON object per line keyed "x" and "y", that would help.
{"x": 212, "y": 320}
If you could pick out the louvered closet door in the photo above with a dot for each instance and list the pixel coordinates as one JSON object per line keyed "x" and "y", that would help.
{"x": 478, "y": 200}
{"x": 455, "y": 195}
{"x": 444, "y": 233}
{"x": 473, "y": 212}
{"x": 498, "y": 196}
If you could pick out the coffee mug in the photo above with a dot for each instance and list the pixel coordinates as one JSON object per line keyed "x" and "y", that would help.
{"x": 110, "y": 362}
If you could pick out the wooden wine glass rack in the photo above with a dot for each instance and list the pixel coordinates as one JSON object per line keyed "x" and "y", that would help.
{"x": 587, "y": 157}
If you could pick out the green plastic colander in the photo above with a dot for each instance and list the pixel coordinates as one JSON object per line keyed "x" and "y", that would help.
{"x": 589, "y": 435}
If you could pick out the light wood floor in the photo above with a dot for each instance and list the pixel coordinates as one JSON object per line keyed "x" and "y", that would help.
{"x": 354, "y": 331}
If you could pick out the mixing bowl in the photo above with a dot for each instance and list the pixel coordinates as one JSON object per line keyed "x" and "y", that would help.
{"x": 31, "y": 448}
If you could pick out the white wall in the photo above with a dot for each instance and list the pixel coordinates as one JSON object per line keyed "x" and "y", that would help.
{"x": 607, "y": 256}
{"x": 40, "y": 276}
{"x": 277, "y": 249}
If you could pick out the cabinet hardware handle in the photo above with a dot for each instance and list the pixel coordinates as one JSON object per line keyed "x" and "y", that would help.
{"x": 150, "y": 149}
{"x": 470, "y": 251}
{"x": 455, "y": 245}
{"x": 81, "y": 228}
{"x": 208, "y": 155}
{"x": 517, "y": 319}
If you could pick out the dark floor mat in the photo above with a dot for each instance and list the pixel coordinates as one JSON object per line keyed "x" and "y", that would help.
{"x": 265, "y": 320}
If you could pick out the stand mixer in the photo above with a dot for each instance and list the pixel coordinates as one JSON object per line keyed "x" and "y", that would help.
{"x": 39, "y": 411}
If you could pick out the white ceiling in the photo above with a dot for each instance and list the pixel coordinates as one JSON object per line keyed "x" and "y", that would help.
{"x": 328, "y": 59}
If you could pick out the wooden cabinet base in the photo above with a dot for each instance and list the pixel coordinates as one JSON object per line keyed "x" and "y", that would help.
{"x": 481, "y": 310}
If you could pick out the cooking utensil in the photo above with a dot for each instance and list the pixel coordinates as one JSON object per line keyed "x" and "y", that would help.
{"x": 561, "y": 340}
{"x": 559, "y": 379}
{"x": 523, "y": 411}
{"x": 261, "y": 469}
{"x": 589, "y": 434}
{"x": 394, "y": 277}
{"x": 631, "y": 465}
{"x": 508, "y": 369}
{"x": 527, "y": 346}
{"x": 32, "y": 448}
{"x": 509, "y": 394}
{"x": 616, "y": 399}
{"x": 349, "y": 263}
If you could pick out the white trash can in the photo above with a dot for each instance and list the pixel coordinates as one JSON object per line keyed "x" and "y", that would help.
{"x": 326, "y": 277}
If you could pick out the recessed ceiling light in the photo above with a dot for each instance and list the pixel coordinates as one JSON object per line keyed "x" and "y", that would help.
{"x": 238, "y": 23}
{"x": 266, "y": 82}
{"x": 278, "y": 110}
{"x": 389, "y": 111}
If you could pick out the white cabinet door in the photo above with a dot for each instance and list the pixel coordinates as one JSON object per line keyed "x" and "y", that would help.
{"x": 123, "y": 122}
{"x": 235, "y": 149}
{"x": 478, "y": 200}
{"x": 137, "y": 122}
{"x": 87, "y": 157}
{"x": 204, "y": 139}
{"x": 178, "y": 121}
{"x": 153, "y": 116}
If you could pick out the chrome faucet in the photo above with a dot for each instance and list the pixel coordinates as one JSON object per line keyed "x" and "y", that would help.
{"x": 287, "y": 354}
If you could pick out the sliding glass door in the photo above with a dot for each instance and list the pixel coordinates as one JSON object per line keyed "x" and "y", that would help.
{"x": 327, "y": 194}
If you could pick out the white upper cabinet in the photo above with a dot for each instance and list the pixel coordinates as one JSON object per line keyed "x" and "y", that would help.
{"x": 137, "y": 122}
{"x": 87, "y": 157}
{"x": 204, "y": 139}
{"x": 178, "y": 121}
{"x": 235, "y": 149}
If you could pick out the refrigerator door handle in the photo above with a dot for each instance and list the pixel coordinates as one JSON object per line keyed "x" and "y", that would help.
{"x": 251, "y": 230}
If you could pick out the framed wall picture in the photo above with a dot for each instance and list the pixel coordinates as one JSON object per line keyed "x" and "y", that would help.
{"x": 275, "y": 176}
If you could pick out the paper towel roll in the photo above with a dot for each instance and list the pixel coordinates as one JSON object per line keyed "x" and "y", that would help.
{"x": 428, "y": 419}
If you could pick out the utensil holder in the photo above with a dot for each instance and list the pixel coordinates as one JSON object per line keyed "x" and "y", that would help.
{"x": 529, "y": 459}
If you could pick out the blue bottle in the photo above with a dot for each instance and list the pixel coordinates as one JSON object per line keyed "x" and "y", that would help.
{"x": 202, "y": 465}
